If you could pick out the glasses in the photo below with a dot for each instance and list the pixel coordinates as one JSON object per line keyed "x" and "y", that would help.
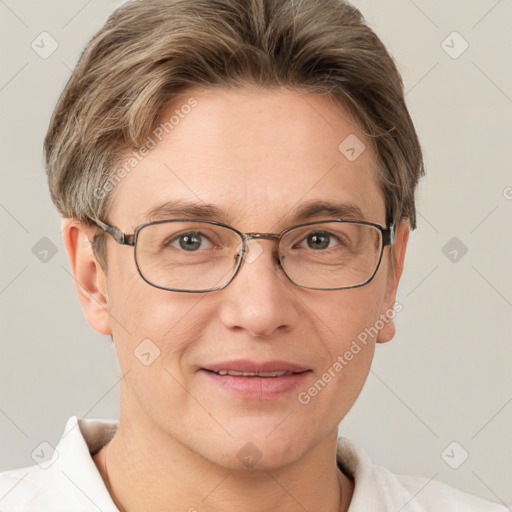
{"x": 188, "y": 255}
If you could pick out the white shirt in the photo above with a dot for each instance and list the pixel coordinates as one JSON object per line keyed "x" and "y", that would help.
{"x": 71, "y": 482}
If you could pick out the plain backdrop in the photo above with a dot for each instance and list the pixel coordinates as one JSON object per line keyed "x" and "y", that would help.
{"x": 441, "y": 391}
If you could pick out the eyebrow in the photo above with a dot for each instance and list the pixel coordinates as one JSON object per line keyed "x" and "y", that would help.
{"x": 182, "y": 209}
{"x": 306, "y": 211}
{"x": 302, "y": 213}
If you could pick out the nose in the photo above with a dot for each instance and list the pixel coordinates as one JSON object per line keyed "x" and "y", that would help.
{"x": 260, "y": 300}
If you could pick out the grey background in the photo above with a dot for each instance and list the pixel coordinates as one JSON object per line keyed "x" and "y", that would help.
{"x": 445, "y": 377}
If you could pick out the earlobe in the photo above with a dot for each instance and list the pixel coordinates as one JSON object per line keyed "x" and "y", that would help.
{"x": 395, "y": 272}
{"x": 90, "y": 280}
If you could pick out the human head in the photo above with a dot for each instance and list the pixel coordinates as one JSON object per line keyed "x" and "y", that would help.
{"x": 326, "y": 76}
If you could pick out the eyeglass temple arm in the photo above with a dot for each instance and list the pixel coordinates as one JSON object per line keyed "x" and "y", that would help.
{"x": 388, "y": 236}
{"x": 119, "y": 236}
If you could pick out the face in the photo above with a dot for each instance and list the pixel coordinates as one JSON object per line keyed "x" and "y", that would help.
{"x": 257, "y": 156}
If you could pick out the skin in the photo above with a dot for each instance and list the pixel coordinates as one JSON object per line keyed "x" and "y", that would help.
{"x": 256, "y": 154}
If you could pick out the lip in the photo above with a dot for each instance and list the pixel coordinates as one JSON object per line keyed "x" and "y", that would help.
{"x": 257, "y": 388}
{"x": 245, "y": 365}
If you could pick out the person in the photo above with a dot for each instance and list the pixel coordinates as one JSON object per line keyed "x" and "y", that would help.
{"x": 237, "y": 184}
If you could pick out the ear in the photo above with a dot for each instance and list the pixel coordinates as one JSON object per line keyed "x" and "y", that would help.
{"x": 389, "y": 308}
{"x": 90, "y": 280}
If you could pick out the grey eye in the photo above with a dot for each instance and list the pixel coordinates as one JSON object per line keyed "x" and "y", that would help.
{"x": 190, "y": 241}
{"x": 319, "y": 240}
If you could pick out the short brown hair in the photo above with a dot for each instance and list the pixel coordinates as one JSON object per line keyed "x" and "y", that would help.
{"x": 150, "y": 52}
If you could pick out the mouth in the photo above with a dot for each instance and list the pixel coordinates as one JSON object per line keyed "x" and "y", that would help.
{"x": 257, "y": 381}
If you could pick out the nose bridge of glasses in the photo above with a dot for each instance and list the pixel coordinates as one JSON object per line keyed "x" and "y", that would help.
{"x": 257, "y": 250}
{"x": 261, "y": 236}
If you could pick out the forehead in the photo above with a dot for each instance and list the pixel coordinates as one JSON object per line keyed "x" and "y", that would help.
{"x": 256, "y": 158}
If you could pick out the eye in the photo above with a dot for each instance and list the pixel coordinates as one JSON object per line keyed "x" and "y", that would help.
{"x": 319, "y": 240}
{"x": 190, "y": 241}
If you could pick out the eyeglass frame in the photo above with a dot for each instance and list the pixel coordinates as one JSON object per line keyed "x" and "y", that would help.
{"x": 119, "y": 236}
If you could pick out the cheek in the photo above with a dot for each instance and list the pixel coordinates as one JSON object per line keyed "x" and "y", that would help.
{"x": 147, "y": 319}
{"x": 347, "y": 326}
{"x": 155, "y": 331}
{"x": 347, "y": 313}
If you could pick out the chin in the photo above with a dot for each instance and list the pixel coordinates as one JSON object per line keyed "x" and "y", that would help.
{"x": 258, "y": 450}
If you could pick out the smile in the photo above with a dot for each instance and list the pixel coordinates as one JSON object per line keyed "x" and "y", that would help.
{"x": 257, "y": 385}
